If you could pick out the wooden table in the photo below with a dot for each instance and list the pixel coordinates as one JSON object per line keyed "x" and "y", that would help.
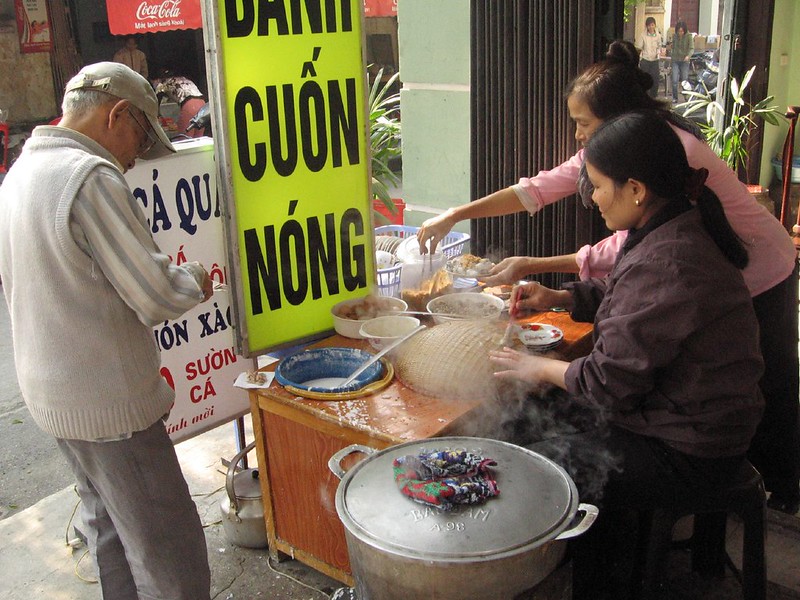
{"x": 296, "y": 436}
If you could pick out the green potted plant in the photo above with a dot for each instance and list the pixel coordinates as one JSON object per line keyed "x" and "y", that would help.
{"x": 728, "y": 134}
{"x": 384, "y": 138}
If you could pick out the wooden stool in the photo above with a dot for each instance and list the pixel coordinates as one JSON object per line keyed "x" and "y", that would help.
{"x": 746, "y": 498}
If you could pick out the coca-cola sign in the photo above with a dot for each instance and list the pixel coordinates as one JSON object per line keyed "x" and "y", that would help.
{"x": 169, "y": 9}
{"x": 127, "y": 17}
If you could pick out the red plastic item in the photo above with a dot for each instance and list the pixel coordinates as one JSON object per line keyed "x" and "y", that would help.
{"x": 394, "y": 219}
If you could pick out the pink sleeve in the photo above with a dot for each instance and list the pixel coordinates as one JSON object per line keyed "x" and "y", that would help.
{"x": 549, "y": 186}
{"x": 598, "y": 260}
{"x": 769, "y": 246}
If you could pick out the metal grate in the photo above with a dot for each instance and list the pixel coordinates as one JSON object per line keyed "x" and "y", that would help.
{"x": 524, "y": 53}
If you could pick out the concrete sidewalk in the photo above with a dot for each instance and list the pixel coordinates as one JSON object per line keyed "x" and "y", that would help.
{"x": 37, "y": 563}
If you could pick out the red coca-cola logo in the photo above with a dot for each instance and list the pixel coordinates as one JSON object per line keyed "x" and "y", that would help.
{"x": 165, "y": 10}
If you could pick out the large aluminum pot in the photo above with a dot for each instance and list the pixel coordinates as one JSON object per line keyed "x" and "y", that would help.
{"x": 400, "y": 549}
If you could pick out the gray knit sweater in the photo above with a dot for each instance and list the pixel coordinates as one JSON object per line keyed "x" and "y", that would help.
{"x": 83, "y": 291}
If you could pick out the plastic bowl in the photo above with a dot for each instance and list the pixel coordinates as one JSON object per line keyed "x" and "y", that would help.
{"x": 382, "y": 331}
{"x": 469, "y": 305}
{"x": 323, "y": 370}
{"x": 365, "y": 308}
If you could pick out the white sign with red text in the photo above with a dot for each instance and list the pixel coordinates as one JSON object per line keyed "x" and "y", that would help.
{"x": 178, "y": 195}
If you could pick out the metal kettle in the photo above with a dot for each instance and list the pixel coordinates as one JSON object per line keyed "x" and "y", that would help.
{"x": 242, "y": 507}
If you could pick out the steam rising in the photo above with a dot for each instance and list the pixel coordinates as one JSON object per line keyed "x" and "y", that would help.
{"x": 451, "y": 361}
{"x": 548, "y": 421}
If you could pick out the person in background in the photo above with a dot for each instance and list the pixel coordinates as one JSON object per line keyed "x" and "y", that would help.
{"x": 183, "y": 92}
{"x": 681, "y": 49}
{"x": 649, "y": 44}
{"x": 130, "y": 56}
{"x": 607, "y": 89}
{"x": 85, "y": 283}
{"x": 675, "y": 365}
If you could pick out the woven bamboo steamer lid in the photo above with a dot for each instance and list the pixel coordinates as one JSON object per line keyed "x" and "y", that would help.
{"x": 451, "y": 360}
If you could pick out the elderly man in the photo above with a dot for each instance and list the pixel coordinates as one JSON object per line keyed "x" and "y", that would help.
{"x": 85, "y": 283}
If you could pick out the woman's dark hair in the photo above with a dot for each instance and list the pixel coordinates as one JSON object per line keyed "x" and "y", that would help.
{"x": 649, "y": 21}
{"x": 681, "y": 25}
{"x": 617, "y": 85}
{"x": 641, "y": 145}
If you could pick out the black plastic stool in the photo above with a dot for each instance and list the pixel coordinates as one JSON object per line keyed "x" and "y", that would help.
{"x": 746, "y": 498}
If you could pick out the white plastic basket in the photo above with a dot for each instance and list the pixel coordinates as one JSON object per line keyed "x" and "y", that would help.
{"x": 389, "y": 279}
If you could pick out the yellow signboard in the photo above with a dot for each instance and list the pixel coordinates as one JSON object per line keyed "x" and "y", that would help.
{"x": 290, "y": 79}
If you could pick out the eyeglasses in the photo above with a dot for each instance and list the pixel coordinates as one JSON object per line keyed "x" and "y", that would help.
{"x": 145, "y": 146}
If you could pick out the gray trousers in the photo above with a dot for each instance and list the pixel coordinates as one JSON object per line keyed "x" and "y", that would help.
{"x": 141, "y": 523}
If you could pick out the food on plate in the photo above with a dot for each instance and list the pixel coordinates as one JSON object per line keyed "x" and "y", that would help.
{"x": 469, "y": 265}
{"x": 467, "y": 305}
{"x": 256, "y": 377}
{"x": 368, "y": 307}
{"x": 499, "y": 291}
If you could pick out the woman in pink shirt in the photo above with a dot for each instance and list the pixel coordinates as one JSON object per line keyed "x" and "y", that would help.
{"x": 612, "y": 87}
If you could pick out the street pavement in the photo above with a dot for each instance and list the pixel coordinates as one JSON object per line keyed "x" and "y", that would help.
{"x": 31, "y": 467}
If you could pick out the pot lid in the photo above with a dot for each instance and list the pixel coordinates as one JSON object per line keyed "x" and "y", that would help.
{"x": 537, "y": 501}
{"x": 246, "y": 485}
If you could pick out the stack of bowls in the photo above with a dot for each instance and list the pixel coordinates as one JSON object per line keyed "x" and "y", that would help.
{"x": 383, "y": 331}
{"x": 350, "y": 315}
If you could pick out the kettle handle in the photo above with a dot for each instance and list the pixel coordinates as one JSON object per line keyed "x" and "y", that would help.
{"x": 231, "y": 472}
{"x": 335, "y": 461}
{"x": 590, "y": 512}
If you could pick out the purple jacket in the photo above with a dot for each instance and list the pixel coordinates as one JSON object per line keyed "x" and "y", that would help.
{"x": 676, "y": 353}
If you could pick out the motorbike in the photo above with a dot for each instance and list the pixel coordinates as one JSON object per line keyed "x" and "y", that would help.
{"x": 705, "y": 68}
{"x": 201, "y": 120}
{"x": 703, "y": 79}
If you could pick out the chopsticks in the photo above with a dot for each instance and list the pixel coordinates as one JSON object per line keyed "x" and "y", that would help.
{"x": 513, "y": 310}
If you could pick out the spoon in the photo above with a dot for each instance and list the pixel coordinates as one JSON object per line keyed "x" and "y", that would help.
{"x": 425, "y": 314}
{"x": 377, "y": 356}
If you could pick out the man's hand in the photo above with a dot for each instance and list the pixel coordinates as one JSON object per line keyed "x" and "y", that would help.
{"x": 208, "y": 287}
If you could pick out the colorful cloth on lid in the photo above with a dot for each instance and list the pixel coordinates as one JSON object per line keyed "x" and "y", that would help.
{"x": 445, "y": 478}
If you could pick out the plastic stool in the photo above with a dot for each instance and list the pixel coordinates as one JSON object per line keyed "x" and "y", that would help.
{"x": 745, "y": 497}
{"x": 4, "y": 132}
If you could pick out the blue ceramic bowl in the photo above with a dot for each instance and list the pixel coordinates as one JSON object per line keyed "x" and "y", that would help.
{"x": 316, "y": 370}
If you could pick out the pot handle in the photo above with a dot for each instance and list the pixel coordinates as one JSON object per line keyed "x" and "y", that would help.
{"x": 231, "y": 472}
{"x": 335, "y": 461}
{"x": 589, "y": 515}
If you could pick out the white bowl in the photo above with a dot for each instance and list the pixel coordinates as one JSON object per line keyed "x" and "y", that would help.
{"x": 383, "y": 259}
{"x": 350, "y": 315}
{"x": 471, "y": 305}
{"x": 382, "y": 331}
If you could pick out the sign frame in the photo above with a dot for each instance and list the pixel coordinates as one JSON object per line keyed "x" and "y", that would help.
{"x": 225, "y": 157}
